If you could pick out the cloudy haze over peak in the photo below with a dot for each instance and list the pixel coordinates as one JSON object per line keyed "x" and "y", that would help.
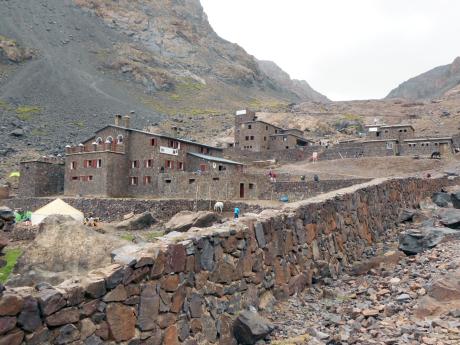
{"x": 355, "y": 49}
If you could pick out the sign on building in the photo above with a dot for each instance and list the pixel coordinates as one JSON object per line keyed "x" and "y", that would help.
{"x": 241, "y": 112}
{"x": 169, "y": 151}
{"x": 373, "y": 129}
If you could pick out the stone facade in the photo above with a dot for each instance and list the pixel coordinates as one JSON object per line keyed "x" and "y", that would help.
{"x": 189, "y": 290}
{"x": 255, "y": 135}
{"x": 120, "y": 161}
{"x": 426, "y": 146}
{"x": 383, "y": 132}
{"x": 42, "y": 177}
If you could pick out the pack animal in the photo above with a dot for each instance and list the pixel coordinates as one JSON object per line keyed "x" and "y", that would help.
{"x": 219, "y": 206}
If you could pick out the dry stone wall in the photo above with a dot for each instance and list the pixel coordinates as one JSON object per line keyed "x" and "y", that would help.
{"x": 188, "y": 289}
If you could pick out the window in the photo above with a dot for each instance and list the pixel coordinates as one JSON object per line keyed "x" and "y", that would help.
{"x": 90, "y": 178}
{"x": 99, "y": 163}
{"x": 168, "y": 181}
{"x": 153, "y": 142}
{"x": 247, "y": 137}
{"x": 169, "y": 164}
{"x": 75, "y": 178}
{"x": 266, "y": 128}
{"x": 222, "y": 168}
{"x": 85, "y": 178}
{"x": 276, "y": 131}
{"x": 251, "y": 186}
{"x": 191, "y": 181}
{"x": 249, "y": 126}
{"x": 99, "y": 140}
{"x": 389, "y": 146}
{"x": 265, "y": 138}
{"x": 174, "y": 144}
{"x": 215, "y": 179}
{"x": 88, "y": 163}
{"x": 73, "y": 165}
{"x": 405, "y": 131}
{"x": 147, "y": 179}
{"x": 203, "y": 167}
{"x": 109, "y": 140}
{"x": 204, "y": 150}
{"x": 252, "y": 137}
{"x": 134, "y": 164}
{"x": 119, "y": 139}
{"x": 377, "y": 134}
{"x": 180, "y": 166}
{"x": 148, "y": 163}
{"x": 133, "y": 180}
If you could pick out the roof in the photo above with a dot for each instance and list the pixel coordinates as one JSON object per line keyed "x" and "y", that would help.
{"x": 213, "y": 159}
{"x": 264, "y": 122}
{"x": 389, "y": 126}
{"x": 291, "y": 134}
{"x": 58, "y": 207}
{"x": 157, "y": 135}
{"x": 428, "y": 139}
{"x": 378, "y": 141}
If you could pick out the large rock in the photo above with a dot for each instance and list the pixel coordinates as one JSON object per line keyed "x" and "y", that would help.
{"x": 122, "y": 321}
{"x": 249, "y": 327}
{"x": 6, "y": 213}
{"x": 62, "y": 250}
{"x": 137, "y": 222}
{"x": 449, "y": 217}
{"x": 441, "y": 199}
{"x": 455, "y": 197}
{"x": 185, "y": 220}
{"x": 416, "y": 241}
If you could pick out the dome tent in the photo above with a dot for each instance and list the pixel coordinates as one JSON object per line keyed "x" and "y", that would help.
{"x": 56, "y": 207}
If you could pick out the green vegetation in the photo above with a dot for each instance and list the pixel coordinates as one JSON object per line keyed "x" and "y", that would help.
{"x": 188, "y": 86}
{"x": 128, "y": 237}
{"x": 11, "y": 257}
{"x": 151, "y": 236}
{"x": 274, "y": 105}
{"x": 79, "y": 124}
{"x": 26, "y": 112}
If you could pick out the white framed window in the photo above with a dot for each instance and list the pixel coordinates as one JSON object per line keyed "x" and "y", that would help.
{"x": 99, "y": 140}
{"x": 389, "y": 145}
{"x": 99, "y": 163}
{"x": 109, "y": 140}
{"x": 133, "y": 180}
{"x": 73, "y": 165}
{"x": 120, "y": 139}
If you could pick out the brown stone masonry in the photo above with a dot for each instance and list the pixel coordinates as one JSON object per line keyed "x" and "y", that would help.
{"x": 190, "y": 289}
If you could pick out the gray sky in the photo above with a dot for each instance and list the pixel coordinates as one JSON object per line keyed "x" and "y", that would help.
{"x": 345, "y": 49}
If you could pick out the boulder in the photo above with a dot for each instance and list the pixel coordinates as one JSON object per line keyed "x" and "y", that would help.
{"x": 449, "y": 217}
{"x": 414, "y": 241}
{"x": 249, "y": 327}
{"x": 441, "y": 199}
{"x": 138, "y": 222}
{"x": 6, "y": 214}
{"x": 185, "y": 220}
{"x": 63, "y": 249}
{"x": 406, "y": 215}
{"x": 455, "y": 197}
{"x": 17, "y": 132}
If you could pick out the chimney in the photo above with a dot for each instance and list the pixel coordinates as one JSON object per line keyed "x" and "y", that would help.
{"x": 117, "y": 120}
{"x": 127, "y": 118}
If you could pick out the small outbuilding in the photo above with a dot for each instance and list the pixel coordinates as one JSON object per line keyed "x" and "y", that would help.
{"x": 56, "y": 207}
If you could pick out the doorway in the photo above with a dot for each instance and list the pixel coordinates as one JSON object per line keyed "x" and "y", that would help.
{"x": 241, "y": 190}
{"x": 443, "y": 148}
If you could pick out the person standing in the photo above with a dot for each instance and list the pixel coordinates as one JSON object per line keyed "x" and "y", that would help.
{"x": 236, "y": 213}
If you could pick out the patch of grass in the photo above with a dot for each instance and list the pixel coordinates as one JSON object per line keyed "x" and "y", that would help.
{"x": 154, "y": 235}
{"x": 79, "y": 124}
{"x": 128, "y": 237}
{"x": 175, "y": 97}
{"x": 37, "y": 132}
{"x": 26, "y": 112}
{"x": 11, "y": 257}
{"x": 3, "y": 104}
{"x": 189, "y": 85}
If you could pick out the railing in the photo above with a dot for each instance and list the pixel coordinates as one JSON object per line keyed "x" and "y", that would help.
{"x": 103, "y": 147}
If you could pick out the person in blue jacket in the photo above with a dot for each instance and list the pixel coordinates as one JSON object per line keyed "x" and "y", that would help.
{"x": 236, "y": 212}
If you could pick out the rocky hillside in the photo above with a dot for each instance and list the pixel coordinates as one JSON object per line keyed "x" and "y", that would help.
{"x": 66, "y": 66}
{"x": 431, "y": 84}
{"x": 300, "y": 87}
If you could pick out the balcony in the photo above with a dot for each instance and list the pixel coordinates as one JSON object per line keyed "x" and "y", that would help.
{"x": 102, "y": 147}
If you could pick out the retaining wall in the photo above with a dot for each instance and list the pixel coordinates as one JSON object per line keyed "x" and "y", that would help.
{"x": 113, "y": 209}
{"x": 190, "y": 289}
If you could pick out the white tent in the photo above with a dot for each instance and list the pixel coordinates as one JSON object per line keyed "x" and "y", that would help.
{"x": 56, "y": 207}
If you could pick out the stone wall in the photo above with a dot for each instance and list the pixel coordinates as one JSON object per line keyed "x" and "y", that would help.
{"x": 302, "y": 190}
{"x": 188, "y": 290}
{"x": 288, "y": 155}
{"x": 113, "y": 209}
{"x": 41, "y": 178}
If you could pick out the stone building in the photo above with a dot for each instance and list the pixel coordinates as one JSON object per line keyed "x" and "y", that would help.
{"x": 383, "y": 132}
{"x": 255, "y": 135}
{"x": 42, "y": 177}
{"x": 121, "y": 161}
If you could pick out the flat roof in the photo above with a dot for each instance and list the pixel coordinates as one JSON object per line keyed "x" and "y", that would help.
{"x": 291, "y": 134}
{"x": 157, "y": 135}
{"x": 378, "y": 141}
{"x": 213, "y": 159}
{"x": 267, "y": 123}
{"x": 428, "y": 139}
{"x": 390, "y": 126}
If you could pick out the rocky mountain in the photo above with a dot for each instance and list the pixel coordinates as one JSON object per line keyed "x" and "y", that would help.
{"x": 300, "y": 87}
{"x": 431, "y": 84}
{"x": 66, "y": 66}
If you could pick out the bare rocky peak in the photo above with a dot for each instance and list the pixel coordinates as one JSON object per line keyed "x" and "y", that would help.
{"x": 300, "y": 87}
{"x": 429, "y": 85}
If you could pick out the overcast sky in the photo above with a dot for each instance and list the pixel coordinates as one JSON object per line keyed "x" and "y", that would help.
{"x": 345, "y": 49}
